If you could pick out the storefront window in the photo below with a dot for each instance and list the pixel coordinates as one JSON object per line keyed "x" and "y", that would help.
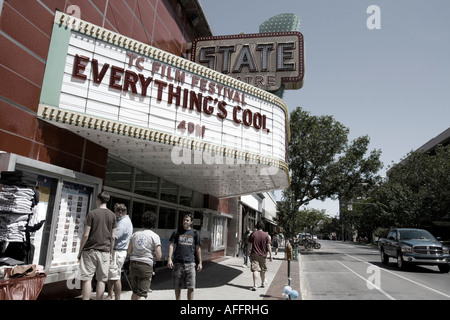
{"x": 146, "y": 184}
{"x": 218, "y": 239}
{"x": 169, "y": 191}
{"x": 198, "y": 220}
{"x": 114, "y": 199}
{"x": 138, "y": 210}
{"x": 185, "y": 197}
{"x": 118, "y": 174}
{"x": 166, "y": 218}
{"x": 146, "y": 192}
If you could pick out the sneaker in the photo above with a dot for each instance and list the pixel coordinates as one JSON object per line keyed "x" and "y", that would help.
{"x": 253, "y": 288}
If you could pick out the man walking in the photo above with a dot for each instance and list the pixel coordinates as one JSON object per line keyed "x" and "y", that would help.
{"x": 124, "y": 231}
{"x": 245, "y": 246}
{"x": 260, "y": 241}
{"x": 187, "y": 248}
{"x": 96, "y": 247}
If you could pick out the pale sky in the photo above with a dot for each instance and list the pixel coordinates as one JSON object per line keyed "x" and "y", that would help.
{"x": 392, "y": 84}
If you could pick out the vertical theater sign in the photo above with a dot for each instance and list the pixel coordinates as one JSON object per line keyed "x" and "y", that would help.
{"x": 176, "y": 118}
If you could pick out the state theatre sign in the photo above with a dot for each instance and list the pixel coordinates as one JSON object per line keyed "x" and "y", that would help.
{"x": 174, "y": 118}
{"x": 265, "y": 60}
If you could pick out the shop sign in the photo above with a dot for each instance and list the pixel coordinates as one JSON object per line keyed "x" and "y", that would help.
{"x": 264, "y": 60}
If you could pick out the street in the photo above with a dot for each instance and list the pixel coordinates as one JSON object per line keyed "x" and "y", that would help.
{"x": 345, "y": 271}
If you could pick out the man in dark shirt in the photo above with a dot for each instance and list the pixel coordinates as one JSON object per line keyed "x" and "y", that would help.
{"x": 96, "y": 247}
{"x": 187, "y": 247}
{"x": 260, "y": 241}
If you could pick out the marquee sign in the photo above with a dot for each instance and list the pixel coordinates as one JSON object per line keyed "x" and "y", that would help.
{"x": 100, "y": 81}
{"x": 179, "y": 94}
{"x": 265, "y": 60}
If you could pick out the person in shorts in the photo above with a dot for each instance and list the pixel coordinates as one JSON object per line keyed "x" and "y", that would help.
{"x": 124, "y": 231}
{"x": 144, "y": 250}
{"x": 260, "y": 242}
{"x": 96, "y": 247}
{"x": 187, "y": 257}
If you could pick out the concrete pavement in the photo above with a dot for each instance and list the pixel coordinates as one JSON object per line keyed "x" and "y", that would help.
{"x": 226, "y": 279}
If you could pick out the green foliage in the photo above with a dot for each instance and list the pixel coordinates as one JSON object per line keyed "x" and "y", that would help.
{"x": 381, "y": 232}
{"x": 322, "y": 162}
{"x": 288, "y": 217}
{"x": 324, "y": 165}
{"x": 416, "y": 192}
{"x": 295, "y": 221}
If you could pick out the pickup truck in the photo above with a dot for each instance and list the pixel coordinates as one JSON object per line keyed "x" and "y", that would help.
{"x": 414, "y": 246}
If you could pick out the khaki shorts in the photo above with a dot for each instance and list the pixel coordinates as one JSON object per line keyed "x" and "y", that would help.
{"x": 115, "y": 267}
{"x": 94, "y": 262}
{"x": 140, "y": 277}
{"x": 258, "y": 263}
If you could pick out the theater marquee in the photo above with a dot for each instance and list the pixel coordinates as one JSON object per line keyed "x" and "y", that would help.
{"x": 153, "y": 108}
{"x": 264, "y": 60}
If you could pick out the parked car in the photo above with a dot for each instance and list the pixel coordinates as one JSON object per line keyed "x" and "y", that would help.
{"x": 414, "y": 246}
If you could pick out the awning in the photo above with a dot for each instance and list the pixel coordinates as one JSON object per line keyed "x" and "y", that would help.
{"x": 232, "y": 173}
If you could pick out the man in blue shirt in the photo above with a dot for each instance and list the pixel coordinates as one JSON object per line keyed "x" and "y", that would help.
{"x": 187, "y": 257}
{"x": 124, "y": 232}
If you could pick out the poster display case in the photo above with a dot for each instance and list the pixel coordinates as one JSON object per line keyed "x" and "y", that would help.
{"x": 66, "y": 196}
{"x": 73, "y": 208}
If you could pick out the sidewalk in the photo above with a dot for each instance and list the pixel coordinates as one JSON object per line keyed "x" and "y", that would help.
{"x": 226, "y": 279}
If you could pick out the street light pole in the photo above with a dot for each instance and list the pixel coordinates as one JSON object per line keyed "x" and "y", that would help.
{"x": 342, "y": 219}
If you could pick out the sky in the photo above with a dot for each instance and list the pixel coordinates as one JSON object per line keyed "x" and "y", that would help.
{"x": 391, "y": 83}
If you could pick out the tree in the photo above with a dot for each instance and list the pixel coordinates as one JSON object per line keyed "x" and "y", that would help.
{"x": 416, "y": 192}
{"x": 323, "y": 165}
{"x": 311, "y": 219}
{"x": 288, "y": 217}
{"x": 295, "y": 221}
{"x": 362, "y": 216}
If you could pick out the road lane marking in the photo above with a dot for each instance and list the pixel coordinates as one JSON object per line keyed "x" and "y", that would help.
{"x": 367, "y": 281}
{"x": 395, "y": 274}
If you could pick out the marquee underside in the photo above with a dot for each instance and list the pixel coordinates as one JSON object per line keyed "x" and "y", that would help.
{"x": 203, "y": 167}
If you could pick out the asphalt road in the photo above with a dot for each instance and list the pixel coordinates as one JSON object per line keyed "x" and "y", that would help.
{"x": 345, "y": 271}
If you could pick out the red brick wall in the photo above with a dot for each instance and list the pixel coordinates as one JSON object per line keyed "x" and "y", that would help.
{"x": 213, "y": 203}
{"x": 25, "y": 32}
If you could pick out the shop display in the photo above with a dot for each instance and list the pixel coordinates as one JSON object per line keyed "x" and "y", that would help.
{"x": 18, "y": 214}
{"x": 19, "y": 219}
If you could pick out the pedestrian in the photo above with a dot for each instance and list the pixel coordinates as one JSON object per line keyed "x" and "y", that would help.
{"x": 96, "y": 247}
{"x": 260, "y": 241}
{"x": 275, "y": 243}
{"x": 187, "y": 257}
{"x": 295, "y": 248}
{"x": 144, "y": 250}
{"x": 245, "y": 246}
{"x": 124, "y": 231}
{"x": 281, "y": 239}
